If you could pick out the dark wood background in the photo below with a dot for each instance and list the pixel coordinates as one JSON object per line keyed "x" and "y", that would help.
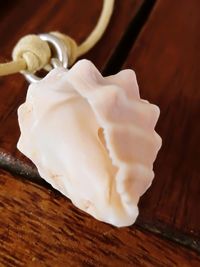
{"x": 160, "y": 40}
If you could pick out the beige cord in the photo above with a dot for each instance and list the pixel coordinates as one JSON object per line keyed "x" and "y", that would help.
{"x": 32, "y": 54}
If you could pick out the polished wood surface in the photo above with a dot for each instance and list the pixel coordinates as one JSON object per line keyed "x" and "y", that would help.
{"x": 43, "y": 228}
{"x": 160, "y": 40}
{"x": 166, "y": 60}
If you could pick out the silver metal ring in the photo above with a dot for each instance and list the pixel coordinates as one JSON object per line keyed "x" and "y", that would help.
{"x": 61, "y": 59}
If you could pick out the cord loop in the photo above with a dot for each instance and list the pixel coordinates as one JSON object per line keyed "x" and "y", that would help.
{"x": 32, "y": 54}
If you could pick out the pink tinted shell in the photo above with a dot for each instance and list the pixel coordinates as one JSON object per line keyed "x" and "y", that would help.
{"x": 92, "y": 138}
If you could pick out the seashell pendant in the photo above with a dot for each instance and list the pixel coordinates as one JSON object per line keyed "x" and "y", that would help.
{"x": 92, "y": 138}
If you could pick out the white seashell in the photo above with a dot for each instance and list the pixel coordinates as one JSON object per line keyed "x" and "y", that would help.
{"x": 92, "y": 138}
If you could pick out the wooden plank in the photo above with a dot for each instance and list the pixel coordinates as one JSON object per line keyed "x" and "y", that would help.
{"x": 75, "y": 18}
{"x": 166, "y": 59}
{"x": 39, "y": 227}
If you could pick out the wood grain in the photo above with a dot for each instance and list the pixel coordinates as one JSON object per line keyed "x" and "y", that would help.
{"x": 39, "y": 227}
{"x": 166, "y": 59}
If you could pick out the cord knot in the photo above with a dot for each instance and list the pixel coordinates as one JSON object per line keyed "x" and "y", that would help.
{"x": 34, "y": 51}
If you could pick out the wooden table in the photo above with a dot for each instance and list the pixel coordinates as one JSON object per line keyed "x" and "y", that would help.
{"x": 160, "y": 40}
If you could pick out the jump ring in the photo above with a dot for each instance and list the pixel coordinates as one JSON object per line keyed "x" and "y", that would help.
{"x": 61, "y": 59}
